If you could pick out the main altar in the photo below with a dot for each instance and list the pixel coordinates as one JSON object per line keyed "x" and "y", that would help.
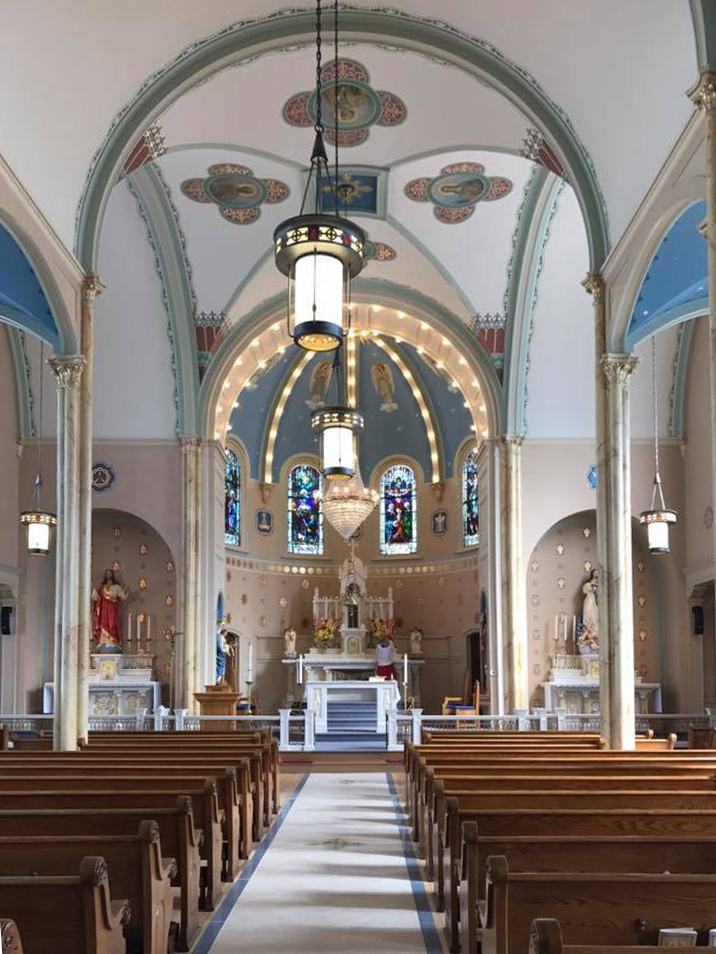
{"x": 358, "y": 619}
{"x": 119, "y": 684}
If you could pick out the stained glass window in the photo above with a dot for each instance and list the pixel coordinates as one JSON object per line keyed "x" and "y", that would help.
{"x": 398, "y": 512}
{"x": 470, "y": 502}
{"x": 305, "y": 517}
{"x": 232, "y": 500}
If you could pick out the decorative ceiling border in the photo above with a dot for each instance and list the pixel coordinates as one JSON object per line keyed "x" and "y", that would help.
{"x": 27, "y": 425}
{"x": 679, "y": 378}
{"x": 246, "y": 40}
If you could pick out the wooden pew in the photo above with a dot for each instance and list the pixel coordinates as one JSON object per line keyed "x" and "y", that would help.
{"x": 234, "y": 794}
{"x": 546, "y": 938}
{"x": 10, "y": 942}
{"x": 486, "y": 736}
{"x": 179, "y": 838}
{"x": 581, "y": 853}
{"x": 594, "y": 908}
{"x": 72, "y": 914}
{"x": 117, "y": 793}
{"x": 135, "y": 864}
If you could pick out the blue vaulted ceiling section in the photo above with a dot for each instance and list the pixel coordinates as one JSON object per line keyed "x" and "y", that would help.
{"x": 401, "y": 432}
{"x": 22, "y": 300}
{"x": 675, "y": 286}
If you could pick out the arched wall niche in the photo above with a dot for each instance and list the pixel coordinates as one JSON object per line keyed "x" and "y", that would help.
{"x": 145, "y": 565}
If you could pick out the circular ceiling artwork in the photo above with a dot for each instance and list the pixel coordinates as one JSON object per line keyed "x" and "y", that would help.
{"x": 237, "y": 192}
{"x": 457, "y": 190}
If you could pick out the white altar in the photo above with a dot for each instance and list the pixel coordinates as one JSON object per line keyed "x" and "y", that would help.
{"x": 385, "y": 693}
{"x": 356, "y": 612}
{"x": 119, "y": 684}
{"x": 573, "y": 685}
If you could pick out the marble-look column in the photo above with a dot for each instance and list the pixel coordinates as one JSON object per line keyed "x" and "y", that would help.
{"x": 68, "y": 372}
{"x": 91, "y": 287}
{"x": 191, "y": 503}
{"x": 616, "y": 640}
{"x": 704, "y": 97}
{"x": 514, "y": 611}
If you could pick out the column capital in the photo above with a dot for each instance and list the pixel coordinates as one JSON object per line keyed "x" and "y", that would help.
{"x": 68, "y": 370}
{"x": 91, "y": 287}
{"x": 618, "y": 367}
{"x": 593, "y": 284}
{"x": 512, "y": 440}
{"x": 703, "y": 94}
{"x": 191, "y": 443}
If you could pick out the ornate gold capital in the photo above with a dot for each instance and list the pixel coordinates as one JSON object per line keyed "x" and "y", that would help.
{"x": 68, "y": 371}
{"x": 265, "y": 489}
{"x": 91, "y": 287}
{"x": 593, "y": 284}
{"x": 191, "y": 443}
{"x": 512, "y": 441}
{"x": 618, "y": 367}
{"x": 703, "y": 94}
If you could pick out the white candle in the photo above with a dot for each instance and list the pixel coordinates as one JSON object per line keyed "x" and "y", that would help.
{"x": 405, "y": 667}
{"x": 139, "y": 632}
{"x": 300, "y": 669}
{"x": 574, "y": 634}
{"x": 149, "y": 630}
{"x": 556, "y": 626}
{"x": 129, "y": 630}
{"x": 250, "y": 678}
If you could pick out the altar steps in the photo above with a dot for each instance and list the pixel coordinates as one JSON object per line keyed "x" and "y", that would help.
{"x": 351, "y": 728}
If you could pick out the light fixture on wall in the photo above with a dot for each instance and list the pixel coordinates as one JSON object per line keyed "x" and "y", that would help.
{"x": 338, "y": 428}
{"x": 320, "y": 252}
{"x": 659, "y": 518}
{"x": 39, "y": 522}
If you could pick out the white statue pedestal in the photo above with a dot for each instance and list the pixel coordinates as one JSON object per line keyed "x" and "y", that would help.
{"x": 119, "y": 684}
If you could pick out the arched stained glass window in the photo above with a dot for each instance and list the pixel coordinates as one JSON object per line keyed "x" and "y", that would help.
{"x": 470, "y": 501}
{"x": 398, "y": 511}
{"x": 305, "y": 517}
{"x": 232, "y": 500}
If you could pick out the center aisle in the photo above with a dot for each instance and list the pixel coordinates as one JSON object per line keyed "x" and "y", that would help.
{"x": 339, "y": 875}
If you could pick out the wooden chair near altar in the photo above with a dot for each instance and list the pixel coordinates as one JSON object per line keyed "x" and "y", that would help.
{"x": 468, "y": 704}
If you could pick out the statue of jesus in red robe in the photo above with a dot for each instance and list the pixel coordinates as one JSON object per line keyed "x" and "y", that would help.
{"x": 105, "y": 614}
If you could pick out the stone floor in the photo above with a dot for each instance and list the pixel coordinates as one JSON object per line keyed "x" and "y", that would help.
{"x": 336, "y": 874}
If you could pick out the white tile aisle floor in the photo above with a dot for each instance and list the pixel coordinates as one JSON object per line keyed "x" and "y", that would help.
{"x": 338, "y": 876}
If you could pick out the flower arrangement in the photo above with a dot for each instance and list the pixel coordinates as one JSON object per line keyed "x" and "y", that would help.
{"x": 382, "y": 627}
{"x": 324, "y": 632}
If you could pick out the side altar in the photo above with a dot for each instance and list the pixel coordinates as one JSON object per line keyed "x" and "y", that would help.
{"x": 346, "y": 629}
{"x": 119, "y": 684}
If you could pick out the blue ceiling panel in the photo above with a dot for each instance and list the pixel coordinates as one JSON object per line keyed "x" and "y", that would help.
{"x": 22, "y": 300}
{"x": 676, "y": 283}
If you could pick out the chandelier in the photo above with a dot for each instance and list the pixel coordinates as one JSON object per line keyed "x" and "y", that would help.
{"x": 337, "y": 428}
{"x": 658, "y": 519}
{"x": 38, "y": 521}
{"x": 320, "y": 252}
{"x": 347, "y": 503}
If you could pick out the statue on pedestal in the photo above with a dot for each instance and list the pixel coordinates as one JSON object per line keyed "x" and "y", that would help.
{"x": 289, "y": 641}
{"x": 416, "y": 641}
{"x": 588, "y": 638}
{"x": 105, "y": 614}
{"x": 224, "y": 650}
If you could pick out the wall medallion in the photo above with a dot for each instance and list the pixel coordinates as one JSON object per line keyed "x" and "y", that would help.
{"x": 592, "y": 476}
{"x": 102, "y": 478}
{"x": 264, "y": 522}
{"x": 439, "y": 522}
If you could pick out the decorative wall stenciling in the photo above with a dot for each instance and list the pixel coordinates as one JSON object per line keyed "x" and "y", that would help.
{"x": 149, "y": 147}
{"x": 210, "y": 328}
{"x": 359, "y": 105}
{"x": 378, "y": 252}
{"x": 102, "y": 477}
{"x": 536, "y": 149}
{"x": 490, "y": 331}
{"x": 457, "y": 190}
{"x": 237, "y": 192}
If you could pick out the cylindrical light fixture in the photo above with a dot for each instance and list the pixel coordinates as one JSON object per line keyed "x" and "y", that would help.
{"x": 39, "y": 523}
{"x": 659, "y": 518}
{"x": 319, "y": 254}
{"x": 337, "y": 428}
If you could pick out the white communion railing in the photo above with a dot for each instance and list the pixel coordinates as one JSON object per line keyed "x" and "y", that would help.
{"x": 296, "y": 729}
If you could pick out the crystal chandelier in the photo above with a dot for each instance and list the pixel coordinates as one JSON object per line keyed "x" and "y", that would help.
{"x": 658, "y": 519}
{"x": 347, "y": 503}
{"x": 320, "y": 252}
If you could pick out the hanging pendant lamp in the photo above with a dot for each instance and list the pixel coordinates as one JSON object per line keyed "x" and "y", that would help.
{"x": 659, "y": 517}
{"x": 337, "y": 428}
{"x": 320, "y": 252}
{"x": 38, "y": 522}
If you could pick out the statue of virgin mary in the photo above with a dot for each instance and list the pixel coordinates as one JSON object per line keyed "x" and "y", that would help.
{"x": 588, "y": 639}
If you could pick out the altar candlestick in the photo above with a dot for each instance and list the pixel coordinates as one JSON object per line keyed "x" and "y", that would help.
{"x": 574, "y": 634}
{"x": 300, "y": 669}
{"x": 129, "y": 631}
{"x": 405, "y": 667}
{"x": 251, "y": 663}
{"x": 139, "y": 631}
{"x": 149, "y": 631}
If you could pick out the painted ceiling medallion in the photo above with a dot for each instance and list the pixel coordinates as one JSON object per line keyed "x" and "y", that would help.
{"x": 457, "y": 190}
{"x": 236, "y": 191}
{"x": 378, "y": 252}
{"x": 359, "y": 105}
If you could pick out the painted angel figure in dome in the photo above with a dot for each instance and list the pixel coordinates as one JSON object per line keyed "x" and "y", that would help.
{"x": 105, "y": 614}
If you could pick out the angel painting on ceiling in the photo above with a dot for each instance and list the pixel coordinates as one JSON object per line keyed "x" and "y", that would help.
{"x": 457, "y": 190}
{"x": 237, "y": 192}
{"x": 382, "y": 378}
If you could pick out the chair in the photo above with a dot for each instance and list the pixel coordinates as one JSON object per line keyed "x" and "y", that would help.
{"x": 462, "y": 705}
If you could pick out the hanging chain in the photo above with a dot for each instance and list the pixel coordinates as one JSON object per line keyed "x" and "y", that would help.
{"x": 335, "y": 99}
{"x": 319, "y": 85}
{"x": 38, "y": 479}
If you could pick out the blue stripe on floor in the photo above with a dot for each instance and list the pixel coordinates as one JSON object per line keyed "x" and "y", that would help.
{"x": 211, "y": 932}
{"x": 431, "y": 936}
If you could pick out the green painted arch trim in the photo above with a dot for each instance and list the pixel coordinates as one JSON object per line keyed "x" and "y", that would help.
{"x": 532, "y": 234}
{"x": 160, "y": 219}
{"x": 398, "y": 296}
{"x": 25, "y": 421}
{"x": 677, "y": 419}
{"x": 244, "y": 41}
{"x": 703, "y": 15}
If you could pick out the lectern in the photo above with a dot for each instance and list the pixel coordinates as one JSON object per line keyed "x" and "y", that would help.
{"x": 218, "y": 701}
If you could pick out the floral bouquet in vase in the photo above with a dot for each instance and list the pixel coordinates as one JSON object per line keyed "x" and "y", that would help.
{"x": 325, "y": 632}
{"x": 380, "y": 628}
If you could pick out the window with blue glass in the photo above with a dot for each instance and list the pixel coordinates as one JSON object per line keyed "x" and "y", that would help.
{"x": 232, "y": 500}
{"x": 470, "y": 501}
{"x": 305, "y": 517}
{"x": 398, "y": 511}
